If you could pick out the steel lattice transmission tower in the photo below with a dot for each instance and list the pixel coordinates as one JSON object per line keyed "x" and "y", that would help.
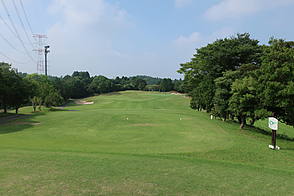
{"x": 40, "y": 51}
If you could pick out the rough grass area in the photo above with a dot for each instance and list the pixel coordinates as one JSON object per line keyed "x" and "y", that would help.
{"x": 139, "y": 143}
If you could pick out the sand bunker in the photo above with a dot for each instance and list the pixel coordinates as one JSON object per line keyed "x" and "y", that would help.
{"x": 176, "y": 93}
{"x": 80, "y": 102}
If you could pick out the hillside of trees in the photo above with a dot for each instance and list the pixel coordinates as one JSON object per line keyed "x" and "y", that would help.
{"x": 20, "y": 89}
{"x": 237, "y": 78}
{"x": 149, "y": 80}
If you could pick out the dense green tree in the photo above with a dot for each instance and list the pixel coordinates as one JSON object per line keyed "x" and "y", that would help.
{"x": 149, "y": 80}
{"x": 44, "y": 92}
{"x": 74, "y": 87}
{"x": 211, "y": 61}
{"x": 223, "y": 89}
{"x": 59, "y": 85}
{"x": 53, "y": 98}
{"x": 223, "y": 55}
{"x": 100, "y": 84}
{"x": 166, "y": 85}
{"x": 4, "y": 84}
{"x": 202, "y": 96}
{"x": 222, "y": 94}
{"x": 244, "y": 100}
{"x": 36, "y": 101}
{"x": 179, "y": 85}
{"x": 245, "y": 80}
{"x": 276, "y": 80}
{"x": 138, "y": 83}
{"x": 192, "y": 76}
{"x": 14, "y": 90}
{"x": 83, "y": 75}
{"x": 20, "y": 93}
{"x": 152, "y": 87}
{"x": 121, "y": 84}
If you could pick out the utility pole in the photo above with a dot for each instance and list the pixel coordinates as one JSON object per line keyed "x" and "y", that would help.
{"x": 46, "y": 64}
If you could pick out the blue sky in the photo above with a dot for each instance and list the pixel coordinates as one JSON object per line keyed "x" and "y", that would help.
{"x": 135, "y": 37}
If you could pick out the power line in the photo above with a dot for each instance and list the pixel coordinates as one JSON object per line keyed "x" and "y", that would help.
{"x": 26, "y": 17}
{"x": 9, "y": 43}
{"x": 18, "y": 36}
{"x": 8, "y": 26}
{"x": 6, "y": 40}
{"x": 21, "y": 22}
{"x": 10, "y": 59}
{"x": 12, "y": 32}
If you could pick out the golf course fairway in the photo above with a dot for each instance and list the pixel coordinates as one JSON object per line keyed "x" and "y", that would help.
{"x": 138, "y": 143}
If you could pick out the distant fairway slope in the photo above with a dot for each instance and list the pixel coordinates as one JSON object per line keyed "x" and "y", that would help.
{"x": 138, "y": 143}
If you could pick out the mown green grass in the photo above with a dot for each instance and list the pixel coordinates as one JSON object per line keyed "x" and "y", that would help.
{"x": 139, "y": 143}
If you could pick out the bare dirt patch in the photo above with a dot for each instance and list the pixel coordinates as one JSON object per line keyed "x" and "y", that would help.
{"x": 184, "y": 118}
{"x": 125, "y": 187}
{"x": 25, "y": 123}
{"x": 144, "y": 125}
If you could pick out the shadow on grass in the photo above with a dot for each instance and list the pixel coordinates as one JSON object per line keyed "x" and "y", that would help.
{"x": 11, "y": 117}
{"x": 262, "y": 131}
{"x": 61, "y": 110}
{"x": 290, "y": 149}
{"x": 69, "y": 103}
{"x": 12, "y": 123}
{"x": 4, "y": 115}
{"x": 110, "y": 94}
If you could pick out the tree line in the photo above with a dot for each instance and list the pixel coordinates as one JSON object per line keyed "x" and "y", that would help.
{"x": 239, "y": 79}
{"x": 20, "y": 89}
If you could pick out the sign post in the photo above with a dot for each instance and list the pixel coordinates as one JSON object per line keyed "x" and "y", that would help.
{"x": 273, "y": 124}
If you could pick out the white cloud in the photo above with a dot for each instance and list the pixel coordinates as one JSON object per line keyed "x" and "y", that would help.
{"x": 84, "y": 35}
{"x": 184, "y": 46}
{"x": 197, "y": 39}
{"x": 182, "y": 3}
{"x": 93, "y": 13}
{"x": 192, "y": 39}
{"x": 237, "y": 8}
{"x": 221, "y": 33}
{"x": 97, "y": 36}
